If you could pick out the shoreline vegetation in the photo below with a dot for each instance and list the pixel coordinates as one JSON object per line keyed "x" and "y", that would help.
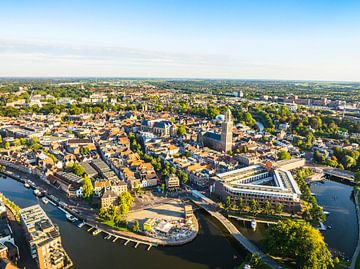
{"x": 14, "y": 208}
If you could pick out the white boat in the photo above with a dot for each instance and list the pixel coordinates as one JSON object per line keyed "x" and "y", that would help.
{"x": 45, "y": 200}
{"x": 71, "y": 218}
{"x": 81, "y": 224}
{"x": 322, "y": 227}
{"x": 326, "y": 212}
{"x": 253, "y": 224}
{"x": 95, "y": 232}
{"x": 27, "y": 185}
{"x": 37, "y": 192}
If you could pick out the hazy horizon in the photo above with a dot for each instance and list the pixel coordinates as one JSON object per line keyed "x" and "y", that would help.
{"x": 244, "y": 40}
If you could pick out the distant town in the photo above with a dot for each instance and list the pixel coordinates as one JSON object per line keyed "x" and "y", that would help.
{"x": 136, "y": 160}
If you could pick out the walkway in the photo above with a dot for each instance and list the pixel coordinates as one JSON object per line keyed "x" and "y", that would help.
{"x": 342, "y": 174}
{"x": 249, "y": 220}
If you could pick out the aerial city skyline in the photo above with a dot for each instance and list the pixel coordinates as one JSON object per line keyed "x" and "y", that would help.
{"x": 180, "y": 134}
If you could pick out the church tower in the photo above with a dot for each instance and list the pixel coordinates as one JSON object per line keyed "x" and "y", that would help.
{"x": 226, "y": 132}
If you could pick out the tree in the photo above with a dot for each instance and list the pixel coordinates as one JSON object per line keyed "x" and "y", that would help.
{"x": 78, "y": 169}
{"x": 2, "y": 168}
{"x": 126, "y": 198}
{"x": 299, "y": 242}
{"x": 162, "y": 187}
{"x": 240, "y": 204}
{"x": 348, "y": 162}
{"x": 23, "y": 141}
{"x": 137, "y": 189}
{"x": 228, "y": 202}
{"x": 284, "y": 155}
{"x": 279, "y": 208}
{"x": 255, "y": 261}
{"x": 267, "y": 207}
{"x": 7, "y": 145}
{"x": 254, "y": 206}
{"x": 315, "y": 122}
{"x": 357, "y": 176}
{"x": 87, "y": 188}
{"x": 122, "y": 211}
{"x": 181, "y": 130}
{"x": 17, "y": 142}
{"x": 136, "y": 226}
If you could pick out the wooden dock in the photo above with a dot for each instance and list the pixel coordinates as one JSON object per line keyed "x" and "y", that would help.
{"x": 114, "y": 237}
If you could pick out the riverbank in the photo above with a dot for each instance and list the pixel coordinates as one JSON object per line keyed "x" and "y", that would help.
{"x": 89, "y": 216}
{"x": 211, "y": 248}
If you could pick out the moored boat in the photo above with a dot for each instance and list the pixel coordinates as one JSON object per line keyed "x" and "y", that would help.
{"x": 45, "y": 200}
{"x": 70, "y": 218}
{"x": 253, "y": 224}
{"x": 37, "y": 192}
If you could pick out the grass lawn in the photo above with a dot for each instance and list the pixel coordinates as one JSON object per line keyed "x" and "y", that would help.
{"x": 113, "y": 225}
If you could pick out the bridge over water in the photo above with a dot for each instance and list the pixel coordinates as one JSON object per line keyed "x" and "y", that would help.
{"x": 211, "y": 207}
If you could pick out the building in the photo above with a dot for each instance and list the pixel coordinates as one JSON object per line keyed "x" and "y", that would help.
{"x": 247, "y": 158}
{"x": 188, "y": 212}
{"x": 149, "y": 225}
{"x": 159, "y": 127}
{"x": 220, "y": 142}
{"x": 44, "y": 239}
{"x": 172, "y": 181}
{"x": 258, "y": 183}
{"x": 290, "y": 164}
{"x": 108, "y": 198}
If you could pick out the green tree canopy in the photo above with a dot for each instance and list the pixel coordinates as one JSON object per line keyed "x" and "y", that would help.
{"x": 300, "y": 242}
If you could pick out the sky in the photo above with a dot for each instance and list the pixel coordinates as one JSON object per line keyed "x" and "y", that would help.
{"x": 238, "y": 39}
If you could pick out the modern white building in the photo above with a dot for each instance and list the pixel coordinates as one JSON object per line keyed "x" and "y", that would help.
{"x": 259, "y": 183}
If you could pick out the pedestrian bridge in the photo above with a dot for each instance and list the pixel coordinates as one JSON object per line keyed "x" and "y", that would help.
{"x": 211, "y": 207}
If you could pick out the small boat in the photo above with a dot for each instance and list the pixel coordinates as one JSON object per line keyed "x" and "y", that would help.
{"x": 37, "y": 192}
{"x": 326, "y": 212}
{"x": 45, "y": 200}
{"x": 27, "y": 185}
{"x": 329, "y": 227}
{"x": 71, "y": 218}
{"x": 81, "y": 224}
{"x": 253, "y": 224}
{"x": 95, "y": 232}
{"x": 322, "y": 227}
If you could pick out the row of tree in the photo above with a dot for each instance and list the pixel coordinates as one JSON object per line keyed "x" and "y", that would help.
{"x": 254, "y": 207}
{"x": 341, "y": 158}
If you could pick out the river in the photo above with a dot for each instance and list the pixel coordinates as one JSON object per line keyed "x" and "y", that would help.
{"x": 335, "y": 198}
{"x": 211, "y": 249}
{"x": 260, "y": 125}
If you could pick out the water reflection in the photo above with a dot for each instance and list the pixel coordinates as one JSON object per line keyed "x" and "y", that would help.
{"x": 211, "y": 249}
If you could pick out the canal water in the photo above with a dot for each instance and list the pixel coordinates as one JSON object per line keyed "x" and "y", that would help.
{"x": 211, "y": 249}
{"x": 335, "y": 198}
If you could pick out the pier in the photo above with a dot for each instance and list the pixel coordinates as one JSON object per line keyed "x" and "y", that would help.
{"x": 340, "y": 174}
{"x": 95, "y": 231}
